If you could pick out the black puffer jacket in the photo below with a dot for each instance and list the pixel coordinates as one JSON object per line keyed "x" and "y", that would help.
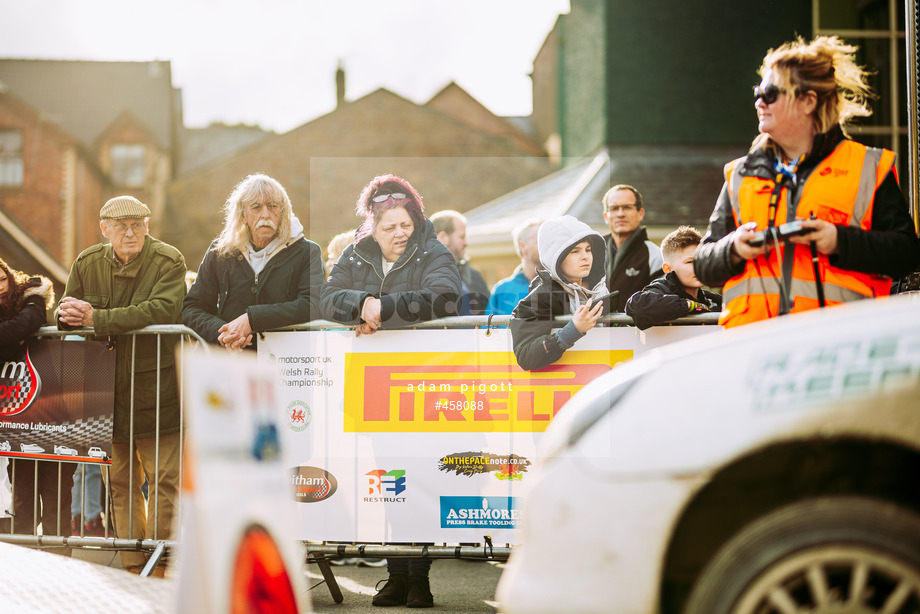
{"x": 15, "y": 328}
{"x": 633, "y": 266}
{"x": 532, "y": 323}
{"x": 285, "y": 292}
{"x": 664, "y": 300}
{"x": 423, "y": 284}
{"x": 476, "y": 298}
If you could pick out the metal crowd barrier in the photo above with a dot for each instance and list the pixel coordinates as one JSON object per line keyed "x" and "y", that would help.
{"x": 322, "y": 552}
{"x": 319, "y": 551}
{"x": 59, "y": 537}
{"x": 613, "y": 319}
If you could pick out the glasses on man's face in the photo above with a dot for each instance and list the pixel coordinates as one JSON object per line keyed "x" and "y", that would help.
{"x": 768, "y": 94}
{"x": 257, "y": 207}
{"x": 384, "y": 197}
{"x": 621, "y": 208}
{"x": 120, "y": 229}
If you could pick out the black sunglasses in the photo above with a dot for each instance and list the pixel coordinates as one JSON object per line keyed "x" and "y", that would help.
{"x": 768, "y": 94}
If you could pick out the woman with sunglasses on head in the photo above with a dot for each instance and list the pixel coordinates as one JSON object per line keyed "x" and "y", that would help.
{"x": 395, "y": 274}
{"x": 806, "y": 199}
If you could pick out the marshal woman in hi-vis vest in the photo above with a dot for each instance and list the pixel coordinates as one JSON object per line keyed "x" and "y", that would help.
{"x": 808, "y": 218}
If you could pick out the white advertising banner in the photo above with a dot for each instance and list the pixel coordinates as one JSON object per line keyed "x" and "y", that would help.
{"x": 424, "y": 435}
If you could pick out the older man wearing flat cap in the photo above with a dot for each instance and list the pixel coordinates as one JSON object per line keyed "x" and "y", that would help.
{"x": 131, "y": 282}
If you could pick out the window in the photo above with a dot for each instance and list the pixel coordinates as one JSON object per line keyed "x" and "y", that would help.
{"x": 10, "y": 158}
{"x": 877, "y": 27}
{"x": 128, "y": 165}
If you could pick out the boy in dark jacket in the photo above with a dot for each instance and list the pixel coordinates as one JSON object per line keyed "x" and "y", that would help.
{"x": 573, "y": 257}
{"x": 679, "y": 292}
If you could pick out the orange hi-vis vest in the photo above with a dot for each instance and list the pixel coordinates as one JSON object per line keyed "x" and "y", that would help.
{"x": 840, "y": 190}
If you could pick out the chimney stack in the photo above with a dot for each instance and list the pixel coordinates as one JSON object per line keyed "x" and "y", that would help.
{"x": 339, "y": 85}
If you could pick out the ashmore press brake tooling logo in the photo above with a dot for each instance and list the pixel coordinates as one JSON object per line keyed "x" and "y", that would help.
{"x": 479, "y": 512}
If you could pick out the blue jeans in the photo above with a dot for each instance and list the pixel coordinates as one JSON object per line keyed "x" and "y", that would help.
{"x": 92, "y": 503}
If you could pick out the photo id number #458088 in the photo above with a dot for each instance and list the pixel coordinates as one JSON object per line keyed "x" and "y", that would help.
{"x": 443, "y": 404}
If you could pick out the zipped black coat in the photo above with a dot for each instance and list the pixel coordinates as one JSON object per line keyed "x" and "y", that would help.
{"x": 532, "y": 323}
{"x": 633, "y": 266}
{"x": 285, "y": 292}
{"x": 664, "y": 300}
{"x": 423, "y": 284}
{"x": 16, "y": 328}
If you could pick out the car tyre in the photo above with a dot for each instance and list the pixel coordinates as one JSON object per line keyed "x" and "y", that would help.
{"x": 823, "y": 555}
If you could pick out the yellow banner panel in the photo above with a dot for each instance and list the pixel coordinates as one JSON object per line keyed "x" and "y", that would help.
{"x": 463, "y": 392}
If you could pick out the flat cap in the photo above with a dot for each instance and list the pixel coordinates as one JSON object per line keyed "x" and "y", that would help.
{"x": 123, "y": 206}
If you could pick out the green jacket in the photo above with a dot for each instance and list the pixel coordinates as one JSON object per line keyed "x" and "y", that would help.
{"x": 148, "y": 290}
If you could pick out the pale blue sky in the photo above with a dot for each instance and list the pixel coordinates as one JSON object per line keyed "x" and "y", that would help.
{"x": 272, "y": 62}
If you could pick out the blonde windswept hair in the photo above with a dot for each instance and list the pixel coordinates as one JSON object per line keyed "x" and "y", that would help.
{"x": 235, "y": 236}
{"x": 338, "y": 243}
{"x": 827, "y": 67}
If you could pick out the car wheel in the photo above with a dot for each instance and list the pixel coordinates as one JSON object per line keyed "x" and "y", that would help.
{"x": 826, "y": 555}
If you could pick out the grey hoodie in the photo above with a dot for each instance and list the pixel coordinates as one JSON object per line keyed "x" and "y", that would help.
{"x": 555, "y": 238}
{"x": 536, "y": 343}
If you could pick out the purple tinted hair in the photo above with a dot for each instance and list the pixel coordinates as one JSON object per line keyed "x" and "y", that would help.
{"x": 382, "y": 184}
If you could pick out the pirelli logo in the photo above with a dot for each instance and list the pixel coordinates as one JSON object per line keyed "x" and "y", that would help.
{"x": 463, "y": 392}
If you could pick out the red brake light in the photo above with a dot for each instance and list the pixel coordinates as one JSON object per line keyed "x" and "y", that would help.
{"x": 260, "y": 582}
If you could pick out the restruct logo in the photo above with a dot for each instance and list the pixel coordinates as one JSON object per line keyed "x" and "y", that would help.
{"x": 381, "y": 483}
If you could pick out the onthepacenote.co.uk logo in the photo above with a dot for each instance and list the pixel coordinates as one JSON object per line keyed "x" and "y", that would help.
{"x": 385, "y": 486}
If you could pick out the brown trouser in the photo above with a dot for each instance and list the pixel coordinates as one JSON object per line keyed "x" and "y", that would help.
{"x": 50, "y": 494}
{"x": 124, "y": 492}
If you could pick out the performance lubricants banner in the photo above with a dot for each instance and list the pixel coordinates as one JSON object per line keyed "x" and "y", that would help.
{"x": 57, "y": 401}
{"x": 424, "y": 435}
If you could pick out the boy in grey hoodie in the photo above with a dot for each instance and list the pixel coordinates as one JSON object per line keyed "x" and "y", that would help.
{"x": 573, "y": 260}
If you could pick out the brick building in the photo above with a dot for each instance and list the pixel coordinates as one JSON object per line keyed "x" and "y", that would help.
{"x": 453, "y": 150}
{"x": 624, "y": 94}
{"x": 661, "y": 99}
{"x": 72, "y": 135}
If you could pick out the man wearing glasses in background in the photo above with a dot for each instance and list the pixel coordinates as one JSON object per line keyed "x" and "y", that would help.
{"x": 632, "y": 260}
{"x": 259, "y": 274}
{"x": 124, "y": 285}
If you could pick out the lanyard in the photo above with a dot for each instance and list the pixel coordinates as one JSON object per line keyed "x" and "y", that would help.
{"x": 783, "y": 170}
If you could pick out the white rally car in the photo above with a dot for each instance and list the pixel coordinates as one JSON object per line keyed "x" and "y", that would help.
{"x": 97, "y": 453}
{"x": 770, "y": 468}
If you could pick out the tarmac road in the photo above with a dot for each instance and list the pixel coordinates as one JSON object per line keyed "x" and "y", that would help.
{"x": 458, "y": 585}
